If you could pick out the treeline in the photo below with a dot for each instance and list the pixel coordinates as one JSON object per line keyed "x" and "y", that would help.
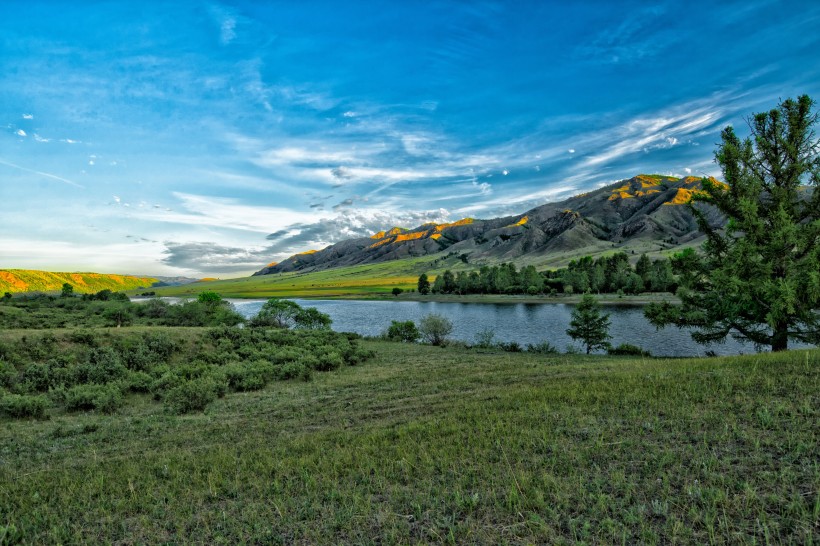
{"x": 607, "y": 274}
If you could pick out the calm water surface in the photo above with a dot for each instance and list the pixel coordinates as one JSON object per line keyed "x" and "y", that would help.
{"x": 521, "y": 322}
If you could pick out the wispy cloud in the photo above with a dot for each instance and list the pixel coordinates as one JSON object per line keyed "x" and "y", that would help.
{"x": 41, "y": 173}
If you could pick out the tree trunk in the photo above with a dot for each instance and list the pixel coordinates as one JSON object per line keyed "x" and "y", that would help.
{"x": 780, "y": 338}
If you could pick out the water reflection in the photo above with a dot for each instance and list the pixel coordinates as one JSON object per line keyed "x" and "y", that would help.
{"x": 520, "y": 322}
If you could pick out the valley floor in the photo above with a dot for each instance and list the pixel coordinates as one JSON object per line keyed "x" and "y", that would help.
{"x": 428, "y": 445}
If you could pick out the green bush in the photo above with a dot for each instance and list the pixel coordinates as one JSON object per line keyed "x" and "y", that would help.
{"x": 249, "y": 376}
{"x": 406, "y": 331}
{"x": 106, "y": 398}
{"x": 327, "y": 361}
{"x": 543, "y": 348}
{"x": 8, "y": 373}
{"x": 139, "y": 382}
{"x": 35, "y": 378}
{"x": 510, "y": 346}
{"x": 193, "y": 395}
{"x": 295, "y": 370}
{"x": 20, "y": 405}
{"x": 627, "y": 349}
{"x": 435, "y": 328}
{"x": 83, "y": 337}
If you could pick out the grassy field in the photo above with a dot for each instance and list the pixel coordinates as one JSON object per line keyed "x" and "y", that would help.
{"x": 29, "y": 280}
{"x": 373, "y": 280}
{"x": 429, "y": 445}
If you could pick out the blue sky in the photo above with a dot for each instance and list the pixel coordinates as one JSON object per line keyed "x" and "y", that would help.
{"x": 208, "y": 139}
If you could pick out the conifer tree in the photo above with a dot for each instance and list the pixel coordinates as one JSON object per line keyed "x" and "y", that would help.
{"x": 589, "y": 325}
{"x": 759, "y": 279}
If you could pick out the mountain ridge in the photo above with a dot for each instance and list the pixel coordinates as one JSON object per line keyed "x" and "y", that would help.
{"x": 644, "y": 212}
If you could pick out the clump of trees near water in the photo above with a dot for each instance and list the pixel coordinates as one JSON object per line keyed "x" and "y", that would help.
{"x": 606, "y": 274}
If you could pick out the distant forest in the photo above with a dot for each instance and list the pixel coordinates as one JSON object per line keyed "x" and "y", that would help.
{"x": 609, "y": 274}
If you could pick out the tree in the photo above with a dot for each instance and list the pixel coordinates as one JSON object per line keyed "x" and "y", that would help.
{"x": 277, "y": 313}
{"x": 760, "y": 279}
{"x": 67, "y": 291}
{"x": 209, "y": 298}
{"x": 403, "y": 331}
{"x": 396, "y": 291}
{"x": 424, "y": 284}
{"x": 589, "y": 325}
{"x": 435, "y": 328}
{"x": 311, "y": 318}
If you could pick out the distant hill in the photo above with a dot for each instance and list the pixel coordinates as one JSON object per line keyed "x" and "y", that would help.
{"x": 174, "y": 281}
{"x": 28, "y": 280}
{"x": 641, "y": 214}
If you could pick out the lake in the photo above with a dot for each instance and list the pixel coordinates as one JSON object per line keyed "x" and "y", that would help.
{"x": 521, "y": 322}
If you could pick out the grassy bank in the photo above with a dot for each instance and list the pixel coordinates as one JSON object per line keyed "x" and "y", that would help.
{"x": 356, "y": 281}
{"x": 430, "y": 445}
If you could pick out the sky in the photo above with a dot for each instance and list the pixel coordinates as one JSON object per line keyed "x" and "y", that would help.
{"x": 211, "y": 138}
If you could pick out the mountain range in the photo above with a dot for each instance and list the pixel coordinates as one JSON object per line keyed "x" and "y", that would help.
{"x": 644, "y": 214}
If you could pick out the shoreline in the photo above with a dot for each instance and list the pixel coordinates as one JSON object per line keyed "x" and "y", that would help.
{"x": 604, "y": 299}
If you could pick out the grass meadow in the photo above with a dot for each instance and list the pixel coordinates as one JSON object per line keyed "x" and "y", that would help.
{"x": 421, "y": 445}
{"x": 372, "y": 280}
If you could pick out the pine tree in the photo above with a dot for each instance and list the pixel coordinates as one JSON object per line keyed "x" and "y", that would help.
{"x": 424, "y": 284}
{"x": 760, "y": 279}
{"x": 589, "y": 325}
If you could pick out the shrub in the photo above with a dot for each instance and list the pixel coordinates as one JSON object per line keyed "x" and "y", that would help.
{"x": 103, "y": 366}
{"x": 193, "y": 395}
{"x": 435, "y": 328}
{"x": 328, "y": 361}
{"x": 396, "y": 291}
{"x": 139, "y": 382}
{"x": 484, "y": 339}
{"x": 19, "y": 405}
{"x": 7, "y": 374}
{"x": 294, "y": 370}
{"x": 105, "y": 398}
{"x": 627, "y": 349}
{"x": 510, "y": 346}
{"x": 35, "y": 378}
{"x": 249, "y": 376}
{"x": 312, "y": 319}
{"x": 543, "y": 348}
{"x": 83, "y": 337}
{"x": 406, "y": 331}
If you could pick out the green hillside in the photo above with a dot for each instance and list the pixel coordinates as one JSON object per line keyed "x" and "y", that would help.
{"x": 29, "y": 280}
{"x": 355, "y": 281}
{"x": 424, "y": 445}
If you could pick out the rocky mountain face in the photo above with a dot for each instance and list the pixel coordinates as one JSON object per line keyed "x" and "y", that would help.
{"x": 646, "y": 213}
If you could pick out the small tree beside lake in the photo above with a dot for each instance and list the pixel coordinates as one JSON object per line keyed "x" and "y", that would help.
{"x": 435, "y": 328}
{"x": 589, "y": 325}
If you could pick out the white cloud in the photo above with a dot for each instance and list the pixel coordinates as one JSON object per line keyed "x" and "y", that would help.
{"x": 38, "y": 138}
{"x": 28, "y": 116}
{"x": 220, "y": 212}
{"x": 571, "y": 150}
{"x": 505, "y": 172}
{"x": 20, "y": 132}
{"x": 349, "y": 114}
{"x": 688, "y": 170}
{"x": 69, "y": 141}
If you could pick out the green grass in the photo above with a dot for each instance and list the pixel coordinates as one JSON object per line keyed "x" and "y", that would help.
{"x": 372, "y": 280}
{"x": 429, "y": 445}
{"x": 29, "y": 280}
